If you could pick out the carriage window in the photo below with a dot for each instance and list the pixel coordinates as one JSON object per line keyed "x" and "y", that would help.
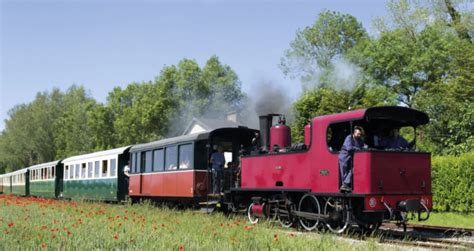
{"x": 158, "y": 160}
{"x": 138, "y": 167}
{"x": 83, "y": 170}
{"x": 78, "y": 170}
{"x": 90, "y": 170}
{"x": 335, "y": 135}
{"x": 185, "y": 156}
{"x": 104, "y": 168}
{"x": 171, "y": 158}
{"x": 71, "y": 172}
{"x": 66, "y": 172}
{"x": 132, "y": 163}
{"x": 96, "y": 169}
{"x": 53, "y": 175}
{"x": 148, "y": 161}
{"x": 113, "y": 167}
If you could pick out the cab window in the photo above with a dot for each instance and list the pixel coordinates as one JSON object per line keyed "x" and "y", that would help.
{"x": 335, "y": 135}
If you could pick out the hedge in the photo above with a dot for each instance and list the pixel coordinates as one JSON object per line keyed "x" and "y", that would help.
{"x": 452, "y": 178}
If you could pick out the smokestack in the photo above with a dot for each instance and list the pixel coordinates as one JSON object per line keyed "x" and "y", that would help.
{"x": 265, "y": 124}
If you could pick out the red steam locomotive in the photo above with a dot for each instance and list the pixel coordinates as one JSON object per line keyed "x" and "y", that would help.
{"x": 300, "y": 183}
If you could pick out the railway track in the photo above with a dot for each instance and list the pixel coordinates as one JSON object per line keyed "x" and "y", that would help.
{"x": 427, "y": 236}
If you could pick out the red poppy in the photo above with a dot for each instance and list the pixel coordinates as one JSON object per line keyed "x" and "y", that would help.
{"x": 43, "y": 245}
{"x": 116, "y": 236}
{"x": 181, "y": 247}
{"x": 11, "y": 224}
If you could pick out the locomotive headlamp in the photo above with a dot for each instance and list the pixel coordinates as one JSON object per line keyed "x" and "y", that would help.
{"x": 372, "y": 202}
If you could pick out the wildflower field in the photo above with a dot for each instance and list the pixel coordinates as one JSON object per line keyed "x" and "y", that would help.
{"x": 32, "y": 223}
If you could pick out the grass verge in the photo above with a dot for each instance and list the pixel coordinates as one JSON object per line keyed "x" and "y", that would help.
{"x": 31, "y": 223}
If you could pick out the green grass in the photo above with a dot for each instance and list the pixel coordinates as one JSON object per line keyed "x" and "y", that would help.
{"x": 450, "y": 219}
{"x": 30, "y": 223}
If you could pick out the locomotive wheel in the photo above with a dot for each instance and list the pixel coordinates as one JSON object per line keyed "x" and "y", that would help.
{"x": 287, "y": 220}
{"x": 339, "y": 216}
{"x": 309, "y": 204}
{"x": 252, "y": 218}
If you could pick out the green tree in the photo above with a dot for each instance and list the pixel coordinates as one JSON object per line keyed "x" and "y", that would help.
{"x": 313, "y": 51}
{"x": 72, "y": 132}
{"x": 425, "y": 54}
{"x": 28, "y": 137}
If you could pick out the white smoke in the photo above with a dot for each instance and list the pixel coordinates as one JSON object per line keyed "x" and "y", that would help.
{"x": 340, "y": 75}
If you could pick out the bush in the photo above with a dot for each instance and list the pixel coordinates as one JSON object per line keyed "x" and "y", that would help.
{"x": 452, "y": 183}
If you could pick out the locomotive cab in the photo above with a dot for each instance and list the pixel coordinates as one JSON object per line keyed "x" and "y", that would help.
{"x": 391, "y": 175}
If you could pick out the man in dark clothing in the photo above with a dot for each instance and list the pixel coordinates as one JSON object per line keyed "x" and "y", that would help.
{"x": 351, "y": 143}
{"x": 217, "y": 162}
{"x": 396, "y": 141}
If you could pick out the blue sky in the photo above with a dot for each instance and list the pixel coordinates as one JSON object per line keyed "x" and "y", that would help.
{"x": 103, "y": 43}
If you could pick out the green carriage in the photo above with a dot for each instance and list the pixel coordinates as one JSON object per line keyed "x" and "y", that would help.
{"x": 4, "y": 184}
{"x": 45, "y": 179}
{"x": 96, "y": 176}
{"x": 19, "y": 182}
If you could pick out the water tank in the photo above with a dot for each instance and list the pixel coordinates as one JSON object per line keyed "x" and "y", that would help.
{"x": 280, "y": 135}
{"x": 307, "y": 134}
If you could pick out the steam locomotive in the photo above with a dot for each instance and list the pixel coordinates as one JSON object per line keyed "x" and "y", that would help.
{"x": 267, "y": 177}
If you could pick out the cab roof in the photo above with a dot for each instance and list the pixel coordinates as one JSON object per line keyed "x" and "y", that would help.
{"x": 403, "y": 116}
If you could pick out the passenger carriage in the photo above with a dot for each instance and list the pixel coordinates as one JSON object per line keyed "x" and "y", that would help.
{"x": 6, "y": 183}
{"x": 19, "y": 182}
{"x": 176, "y": 169}
{"x": 46, "y": 179}
{"x": 96, "y": 176}
{"x": 1, "y": 183}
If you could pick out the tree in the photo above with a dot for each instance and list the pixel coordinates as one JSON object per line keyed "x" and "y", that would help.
{"x": 426, "y": 56}
{"x": 28, "y": 137}
{"x": 72, "y": 132}
{"x": 138, "y": 112}
{"x": 212, "y": 91}
{"x": 313, "y": 51}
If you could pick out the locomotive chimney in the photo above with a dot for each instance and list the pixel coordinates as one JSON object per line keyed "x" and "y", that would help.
{"x": 265, "y": 124}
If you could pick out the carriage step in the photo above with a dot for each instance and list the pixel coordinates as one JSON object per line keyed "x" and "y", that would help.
{"x": 209, "y": 206}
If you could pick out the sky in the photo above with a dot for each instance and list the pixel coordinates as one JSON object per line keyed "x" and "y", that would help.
{"x": 101, "y": 44}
